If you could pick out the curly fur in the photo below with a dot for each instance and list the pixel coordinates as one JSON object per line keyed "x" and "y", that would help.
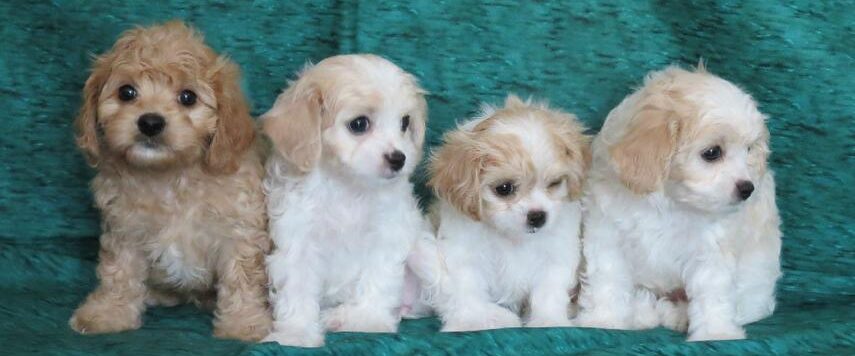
{"x": 183, "y": 213}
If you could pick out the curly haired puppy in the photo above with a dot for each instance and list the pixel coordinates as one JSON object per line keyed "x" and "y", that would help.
{"x": 679, "y": 202}
{"x": 178, "y": 185}
{"x": 347, "y": 135}
{"x": 508, "y": 219}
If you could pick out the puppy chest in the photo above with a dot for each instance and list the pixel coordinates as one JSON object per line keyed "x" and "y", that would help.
{"x": 181, "y": 266}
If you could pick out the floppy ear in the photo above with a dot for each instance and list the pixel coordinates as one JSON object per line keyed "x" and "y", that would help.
{"x": 576, "y": 148}
{"x": 86, "y": 124}
{"x": 455, "y": 173}
{"x": 235, "y": 131}
{"x": 294, "y": 124}
{"x": 643, "y": 155}
{"x": 581, "y": 161}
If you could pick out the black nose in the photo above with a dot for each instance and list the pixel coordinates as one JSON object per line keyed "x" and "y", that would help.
{"x": 151, "y": 124}
{"x": 536, "y": 218}
{"x": 396, "y": 160}
{"x": 744, "y": 189}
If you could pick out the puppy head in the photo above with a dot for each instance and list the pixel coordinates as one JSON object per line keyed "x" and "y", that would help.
{"x": 513, "y": 167}
{"x": 161, "y": 99}
{"x": 360, "y": 115}
{"x": 695, "y": 136}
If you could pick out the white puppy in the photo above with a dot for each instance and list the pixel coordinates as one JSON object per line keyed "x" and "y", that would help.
{"x": 347, "y": 135}
{"x": 507, "y": 219}
{"x": 680, "y": 208}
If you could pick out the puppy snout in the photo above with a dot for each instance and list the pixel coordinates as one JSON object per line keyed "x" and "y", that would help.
{"x": 151, "y": 124}
{"x": 744, "y": 189}
{"x": 536, "y": 218}
{"x": 396, "y": 160}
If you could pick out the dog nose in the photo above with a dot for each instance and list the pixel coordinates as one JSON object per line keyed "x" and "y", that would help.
{"x": 151, "y": 124}
{"x": 744, "y": 189}
{"x": 396, "y": 160}
{"x": 536, "y": 218}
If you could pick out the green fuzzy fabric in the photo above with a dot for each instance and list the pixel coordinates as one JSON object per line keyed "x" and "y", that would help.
{"x": 797, "y": 59}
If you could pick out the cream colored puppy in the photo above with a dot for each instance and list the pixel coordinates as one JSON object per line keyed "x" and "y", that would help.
{"x": 507, "y": 219}
{"x": 178, "y": 185}
{"x": 347, "y": 135}
{"x": 680, "y": 205}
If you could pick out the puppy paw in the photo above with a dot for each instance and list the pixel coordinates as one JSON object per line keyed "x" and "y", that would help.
{"x": 99, "y": 318}
{"x": 729, "y": 332}
{"x": 242, "y": 328}
{"x": 589, "y": 320}
{"x": 548, "y": 323}
{"x": 359, "y": 319}
{"x": 295, "y": 337}
{"x": 494, "y": 318}
{"x": 674, "y": 315}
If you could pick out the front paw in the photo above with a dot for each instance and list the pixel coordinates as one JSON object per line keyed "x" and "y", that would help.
{"x": 100, "y": 317}
{"x": 494, "y": 318}
{"x": 601, "y": 321}
{"x": 249, "y": 326}
{"x": 288, "y": 335}
{"x": 548, "y": 322}
{"x": 360, "y": 319}
{"x": 724, "y": 332}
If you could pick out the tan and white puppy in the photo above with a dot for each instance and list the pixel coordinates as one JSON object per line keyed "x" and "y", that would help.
{"x": 679, "y": 202}
{"x": 507, "y": 219}
{"x": 178, "y": 185}
{"x": 347, "y": 135}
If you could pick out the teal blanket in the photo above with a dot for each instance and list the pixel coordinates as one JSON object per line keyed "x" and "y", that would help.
{"x": 797, "y": 59}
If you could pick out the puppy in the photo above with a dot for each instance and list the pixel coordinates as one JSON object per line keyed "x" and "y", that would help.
{"x": 507, "y": 219}
{"x": 679, "y": 201}
{"x": 347, "y": 135}
{"x": 178, "y": 185}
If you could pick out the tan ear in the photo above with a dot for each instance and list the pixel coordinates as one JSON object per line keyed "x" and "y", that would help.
{"x": 235, "y": 131}
{"x": 643, "y": 155}
{"x": 294, "y": 124}
{"x": 581, "y": 164}
{"x": 86, "y": 124}
{"x": 569, "y": 136}
{"x": 455, "y": 173}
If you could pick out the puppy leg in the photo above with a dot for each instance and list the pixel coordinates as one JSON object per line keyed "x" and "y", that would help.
{"x": 119, "y": 301}
{"x": 709, "y": 288}
{"x": 755, "y": 287}
{"x": 242, "y": 312}
{"x": 550, "y": 298}
{"x": 294, "y": 295}
{"x": 464, "y": 304}
{"x": 375, "y": 306}
{"x": 606, "y": 297}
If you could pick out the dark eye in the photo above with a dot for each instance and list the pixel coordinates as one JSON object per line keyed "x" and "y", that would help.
{"x": 555, "y": 183}
{"x": 187, "y": 97}
{"x": 359, "y": 125}
{"x": 127, "y": 93}
{"x": 405, "y": 123}
{"x": 505, "y": 189}
{"x": 711, "y": 154}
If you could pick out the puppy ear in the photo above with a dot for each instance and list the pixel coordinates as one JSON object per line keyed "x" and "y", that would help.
{"x": 576, "y": 149}
{"x": 86, "y": 124}
{"x": 581, "y": 162}
{"x": 294, "y": 124}
{"x": 643, "y": 155}
{"x": 455, "y": 173}
{"x": 235, "y": 130}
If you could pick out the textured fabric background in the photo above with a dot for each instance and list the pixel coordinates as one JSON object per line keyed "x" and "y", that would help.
{"x": 796, "y": 58}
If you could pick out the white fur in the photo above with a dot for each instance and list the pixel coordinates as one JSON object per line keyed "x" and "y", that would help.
{"x": 343, "y": 230}
{"x": 689, "y": 235}
{"x": 483, "y": 274}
